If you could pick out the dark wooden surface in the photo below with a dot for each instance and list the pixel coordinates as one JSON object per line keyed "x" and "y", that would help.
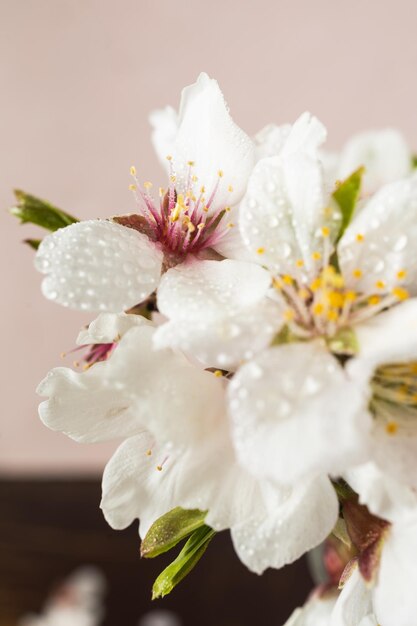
{"x": 49, "y": 528}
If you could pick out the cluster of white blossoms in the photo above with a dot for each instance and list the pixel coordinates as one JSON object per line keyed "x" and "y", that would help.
{"x": 256, "y": 348}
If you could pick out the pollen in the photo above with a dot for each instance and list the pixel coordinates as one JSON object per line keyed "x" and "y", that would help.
{"x": 303, "y": 293}
{"x": 359, "y": 238}
{"x": 288, "y": 280}
{"x": 332, "y": 315}
{"x": 289, "y": 315}
{"x": 149, "y": 452}
{"x": 357, "y": 273}
{"x": 133, "y": 170}
{"x": 132, "y": 187}
{"x": 194, "y": 178}
{"x": 148, "y": 185}
{"x": 220, "y": 173}
{"x": 277, "y": 283}
{"x": 391, "y": 427}
{"x": 218, "y": 373}
{"x": 325, "y": 231}
{"x": 335, "y": 299}
{"x": 380, "y": 284}
{"x": 230, "y": 225}
{"x": 203, "y": 189}
{"x": 159, "y": 468}
{"x": 401, "y": 274}
{"x": 168, "y": 157}
{"x": 230, "y": 189}
{"x": 260, "y": 251}
{"x": 299, "y": 263}
{"x": 350, "y": 296}
{"x": 374, "y": 300}
{"x": 315, "y": 284}
{"x": 318, "y": 308}
{"x": 400, "y": 293}
{"x": 191, "y": 163}
{"x": 316, "y": 256}
{"x": 173, "y": 178}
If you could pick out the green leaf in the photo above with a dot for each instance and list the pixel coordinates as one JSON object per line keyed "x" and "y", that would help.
{"x": 33, "y": 243}
{"x": 184, "y": 563}
{"x": 346, "y": 195}
{"x": 30, "y": 209}
{"x": 169, "y": 529}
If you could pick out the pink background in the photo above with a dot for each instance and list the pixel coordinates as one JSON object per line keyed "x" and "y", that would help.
{"x": 77, "y": 80}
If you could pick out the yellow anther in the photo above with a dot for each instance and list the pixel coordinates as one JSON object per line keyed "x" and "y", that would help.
{"x": 288, "y": 280}
{"x": 357, "y": 273}
{"x": 173, "y": 178}
{"x": 400, "y": 293}
{"x": 193, "y": 198}
{"x": 205, "y": 209}
{"x": 194, "y": 178}
{"x": 149, "y": 452}
{"x": 227, "y": 209}
{"x": 391, "y": 427}
{"x": 201, "y": 226}
{"x": 260, "y": 251}
{"x": 335, "y": 299}
{"x": 230, "y": 225}
{"x": 168, "y": 157}
{"x": 303, "y": 293}
{"x": 401, "y": 274}
{"x": 190, "y": 226}
{"x": 203, "y": 189}
{"x": 133, "y": 170}
{"x": 359, "y": 237}
{"x": 374, "y": 300}
{"x": 159, "y": 468}
{"x": 191, "y": 163}
{"x": 161, "y": 191}
{"x": 220, "y": 173}
{"x": 132, "y": 187}
{"x": 175, "y": 213}
{"x": 148, "y": 185}
{"x": 230, "y": 188}
{"x": 76, "y": 363}
{"x": 188, "y": 194}
{"x": 325, "y": 231}
{"x": 316, "y": 256}
{"x": 318, "y": 308}
{"x": 218, "y": 373}
{"x": 350, "y": 296}
{"x": 63, "y": 355}
{"x": 277, "y": 283}
{"x": 289, "y": 315}
{"x": 380, "y": 284}
{"x": 299, "y": 263}
{"x": 316, "y": 284}
{"x": 332, "y": 315}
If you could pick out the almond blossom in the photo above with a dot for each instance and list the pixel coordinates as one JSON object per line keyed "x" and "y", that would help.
{"x": 102, "y": 265}
{"x": 177, "y": 449}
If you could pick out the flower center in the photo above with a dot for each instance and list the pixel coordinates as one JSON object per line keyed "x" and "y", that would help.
{"x": 185, "y": 220}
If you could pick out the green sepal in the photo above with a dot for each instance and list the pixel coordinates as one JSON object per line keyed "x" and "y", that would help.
{"x": 170, "y": 529}
{"x": 344, "y": 342}
{"x": 184, "y": 563}
{"x": 33, "y": 243}
{"x": 414, "y": 161}
{"x": 340, "y": 532}
{"x": 346, "y": 196}
{"x": 32, "y": 210}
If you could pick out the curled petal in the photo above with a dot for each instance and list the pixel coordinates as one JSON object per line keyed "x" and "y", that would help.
{"x": 109, "y": 328}
{"x": 98, "y": 265}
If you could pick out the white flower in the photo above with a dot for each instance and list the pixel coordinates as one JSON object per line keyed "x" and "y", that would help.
{"x": 288, "y": 220}
{"x": 392, "y": 596}
{"x": 177, "y": 449}
{"x": 384, "y": 154}
{"x": 315, "y": 612}
{"x": 100, "y": 265}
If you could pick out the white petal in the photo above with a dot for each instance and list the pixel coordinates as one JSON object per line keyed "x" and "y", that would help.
{"x": 316, "y": 612}
{"x": 98, "y": 265}
{"x": 282, "y": 210}
{"x": 281, "y": 529}
{"x": 387, "y": 226}
{"x": 232, "y": 246}
{"x": 208, "y": 136}
{"x": 293, "y": 389}
{"x": 354, "y": 603}
{"x": 136, "y": 388}
{"x": 389, "y": 337}
{"x": 164, "y": 124}
{"x": 384, "y": 154}
{"x": 306, "y": 136}
{"x": 210, "y": 290}
{"x": 226, "y": 341}
{"x": 395, "y": 599}
{"x": 381, "y": 493}
{"x": 270, "y": 140}
{"x": 109, "y": 328}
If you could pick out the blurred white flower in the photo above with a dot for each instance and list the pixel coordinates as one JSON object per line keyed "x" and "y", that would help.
{"x": 100, "y": 265}
{"x": 77, "y": 602}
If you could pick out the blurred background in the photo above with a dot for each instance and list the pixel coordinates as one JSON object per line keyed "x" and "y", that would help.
{"x": 78, "y": 79}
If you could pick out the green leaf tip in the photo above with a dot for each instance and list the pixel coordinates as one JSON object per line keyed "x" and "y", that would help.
{"x": 170, "y": 529}
{"x": 346, "y": 196}
{"x": 32, "y": 210}
{"x": 187, "y": 559}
